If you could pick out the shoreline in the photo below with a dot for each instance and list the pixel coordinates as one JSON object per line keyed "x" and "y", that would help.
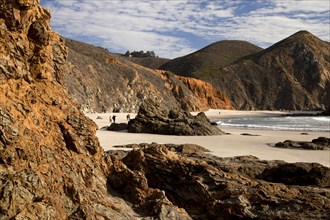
{"x": 231, "y": 145}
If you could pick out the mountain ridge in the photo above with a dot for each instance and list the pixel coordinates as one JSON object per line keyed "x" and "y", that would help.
{"x": 292, "y": 74}
{"x": 216, "y": 55}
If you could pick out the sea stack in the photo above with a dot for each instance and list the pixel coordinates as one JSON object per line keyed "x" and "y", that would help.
{"x": 153, "y": 117}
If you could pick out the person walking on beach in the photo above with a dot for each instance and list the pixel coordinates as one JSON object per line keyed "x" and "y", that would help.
{"x": 110, "y": 119}
{"x": 128, "y": 117}
{"x": 114, "y": 119}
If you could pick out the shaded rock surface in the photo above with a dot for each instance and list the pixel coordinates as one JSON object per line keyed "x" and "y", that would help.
{"x": 155, "y": 118}
{"x": 181, "y": 148}
{"x": 207, "y": 187}
{"x": 321, "y": 143}
{"x": 116, "y": 127}
{"x": 302, "y": 174}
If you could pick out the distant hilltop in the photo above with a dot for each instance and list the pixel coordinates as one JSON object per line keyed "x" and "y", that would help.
{"x": 140, "y": 54}
{"x": 292, "y": 74}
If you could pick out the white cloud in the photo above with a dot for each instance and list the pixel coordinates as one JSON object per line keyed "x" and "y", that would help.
{"x": 167, "y": 26}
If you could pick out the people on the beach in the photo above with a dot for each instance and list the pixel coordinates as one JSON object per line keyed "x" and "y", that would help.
{"x": 110, "y": 119}
{"x": 114, "y": 119}
{"x": 128, "y": 117}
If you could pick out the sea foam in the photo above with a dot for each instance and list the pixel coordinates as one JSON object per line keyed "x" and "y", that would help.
{"x": 279, "y": 123}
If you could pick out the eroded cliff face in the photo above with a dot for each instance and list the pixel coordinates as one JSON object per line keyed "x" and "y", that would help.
{"x": 207, "y": 94}
{"x": 102, "y": 81}
{"x": 50, "y": 158}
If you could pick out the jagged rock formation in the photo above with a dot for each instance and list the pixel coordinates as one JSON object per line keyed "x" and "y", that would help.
{"x": 51, "y": 164}
{"x": 207, "y": 187}
{"x": 104, "y": 81}
{"x": 155, "y": 118}
{"x": 292, "y": 74}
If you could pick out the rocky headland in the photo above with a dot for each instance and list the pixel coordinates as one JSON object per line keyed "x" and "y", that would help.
{"x": 52, "y": 167}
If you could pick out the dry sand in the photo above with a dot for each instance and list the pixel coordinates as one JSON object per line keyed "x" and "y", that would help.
{"x": 223, "y": 145}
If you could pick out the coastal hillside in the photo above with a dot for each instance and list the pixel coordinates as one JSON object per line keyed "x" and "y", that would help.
{"x": 292, "y": 74}
{"x": 102, "y": 81}
{"x": 211, "y": 58}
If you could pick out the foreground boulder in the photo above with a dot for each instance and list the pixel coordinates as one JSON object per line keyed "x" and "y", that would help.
{"x": 207, "y": 187}
{"x": 156, "y": 119}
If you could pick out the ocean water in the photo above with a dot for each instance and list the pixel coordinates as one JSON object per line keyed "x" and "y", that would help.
{"x": 319, "y": 123}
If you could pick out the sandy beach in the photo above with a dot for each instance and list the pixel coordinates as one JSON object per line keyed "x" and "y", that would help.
{"x": 234, "y": 144}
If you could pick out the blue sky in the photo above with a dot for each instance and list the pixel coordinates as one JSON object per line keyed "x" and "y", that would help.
{"x": 173, "y": 28}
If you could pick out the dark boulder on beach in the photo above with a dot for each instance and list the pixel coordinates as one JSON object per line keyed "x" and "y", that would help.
{"x": 321, "y": 143}
{"x": 155, "y": 118}
{"x": 117, "y": 127}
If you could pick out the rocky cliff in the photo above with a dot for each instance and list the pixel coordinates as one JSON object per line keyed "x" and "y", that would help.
{"x": 50, "y": 160}
{"x": 103, "y": 81}
{"x": 292, "y": 74}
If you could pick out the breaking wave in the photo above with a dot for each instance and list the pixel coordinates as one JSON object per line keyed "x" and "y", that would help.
{"x": 279, "y": 123}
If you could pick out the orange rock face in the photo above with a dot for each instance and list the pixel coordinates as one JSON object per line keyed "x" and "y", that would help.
{"x": 207, "y": 94}
{"x": 197, "y": 94}
{"x": 50, "y": 158}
